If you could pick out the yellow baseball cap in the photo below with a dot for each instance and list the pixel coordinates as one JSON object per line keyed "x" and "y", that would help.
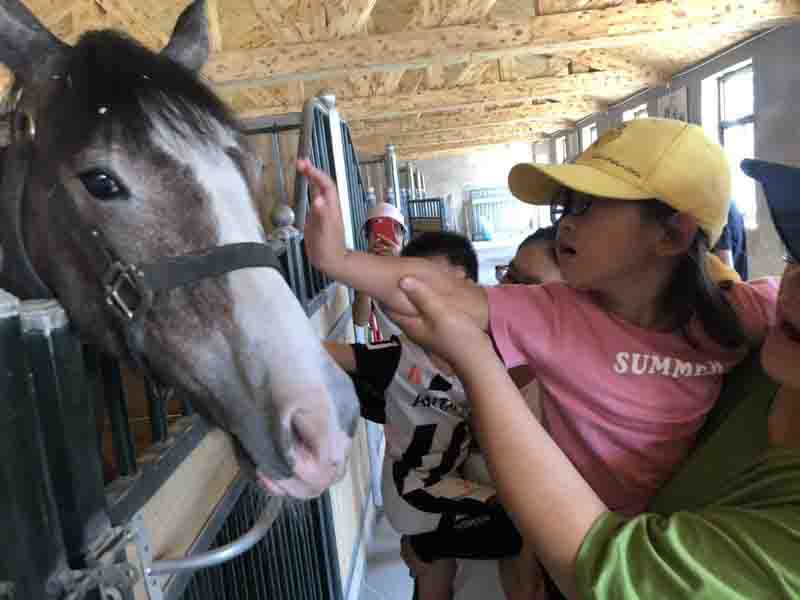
{"x": 669, "y": 160}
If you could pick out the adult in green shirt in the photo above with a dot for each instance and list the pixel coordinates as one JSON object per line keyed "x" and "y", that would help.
{"x": 727, "y": 526}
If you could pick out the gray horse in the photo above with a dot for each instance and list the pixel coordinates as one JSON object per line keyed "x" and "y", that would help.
{"x": 127, "y": 193}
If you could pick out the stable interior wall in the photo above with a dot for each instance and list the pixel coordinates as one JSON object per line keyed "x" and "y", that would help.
{"x": 777, "y": 126}
{"x": 452, "y": 176}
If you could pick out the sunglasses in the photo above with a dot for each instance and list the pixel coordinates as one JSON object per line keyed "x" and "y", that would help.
{"x": 508, "y": 274}
{"x": 568, "y": 203}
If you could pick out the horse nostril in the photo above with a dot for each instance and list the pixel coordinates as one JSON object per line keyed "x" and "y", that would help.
{"x": 302, "y": 434}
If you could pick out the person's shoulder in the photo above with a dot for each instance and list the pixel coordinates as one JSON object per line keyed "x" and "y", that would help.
{"x": 762, "y": 289}
{"x": 755, "y": 302}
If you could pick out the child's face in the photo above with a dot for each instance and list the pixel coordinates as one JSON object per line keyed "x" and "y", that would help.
{"x": 533, "y": 264}
{"x": 607, "y": 246}
{"x": 781, "y": 352}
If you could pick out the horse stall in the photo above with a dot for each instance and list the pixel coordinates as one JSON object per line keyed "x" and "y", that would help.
{"x": 113, "y": 488}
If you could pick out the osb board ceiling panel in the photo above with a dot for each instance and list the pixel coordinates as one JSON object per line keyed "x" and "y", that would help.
{"x": 434, "y": 56}
{"x": 391, "y": 16}
{"x": 682, "y": 51}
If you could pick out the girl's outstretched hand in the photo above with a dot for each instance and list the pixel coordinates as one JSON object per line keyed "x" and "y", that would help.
{"x": 324, "y": 230}
{"x": 448, "y": 332}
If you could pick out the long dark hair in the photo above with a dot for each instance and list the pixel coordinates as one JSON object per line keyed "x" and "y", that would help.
{"x": 692, "y": 291}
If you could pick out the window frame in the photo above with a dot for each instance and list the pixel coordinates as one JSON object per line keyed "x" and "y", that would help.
{"x": 746, "y": 120}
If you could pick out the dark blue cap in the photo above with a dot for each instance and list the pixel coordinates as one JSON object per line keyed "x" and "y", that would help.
{"x": 781, "y": 185}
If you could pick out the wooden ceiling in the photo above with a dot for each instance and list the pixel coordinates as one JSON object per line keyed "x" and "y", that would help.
{"x": 438, "y": 76}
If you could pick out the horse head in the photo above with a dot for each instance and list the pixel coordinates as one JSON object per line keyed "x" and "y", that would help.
{"x": 122, "y": 156}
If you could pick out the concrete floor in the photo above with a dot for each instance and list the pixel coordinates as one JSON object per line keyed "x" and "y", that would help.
{"x": 387, "y": 576}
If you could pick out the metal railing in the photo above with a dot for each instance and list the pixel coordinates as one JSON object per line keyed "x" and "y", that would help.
{"x": 427, "y": 214}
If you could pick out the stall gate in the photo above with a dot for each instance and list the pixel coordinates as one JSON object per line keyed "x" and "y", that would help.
{"x": 68, "y": 536}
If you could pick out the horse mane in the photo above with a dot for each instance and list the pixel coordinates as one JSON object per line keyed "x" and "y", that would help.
{"x": 118, "y": 85}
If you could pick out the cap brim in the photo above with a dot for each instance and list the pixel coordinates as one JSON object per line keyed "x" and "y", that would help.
{"x": 537, "y": 184}
{"x": 781, "y": 185}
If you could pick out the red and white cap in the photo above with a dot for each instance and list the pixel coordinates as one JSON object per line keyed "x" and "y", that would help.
{"x": 386, "y": 210}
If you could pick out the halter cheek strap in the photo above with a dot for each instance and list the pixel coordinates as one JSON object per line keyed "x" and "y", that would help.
{"x": 18, "y": 273}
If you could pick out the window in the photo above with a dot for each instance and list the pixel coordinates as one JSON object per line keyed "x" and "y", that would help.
{"x": 588, "y": 135}
{"x": 541, "y": 153}
{"x": 561, "y": 149}
{"x": 731, "y": 119}
{"x": 638, "y": 112}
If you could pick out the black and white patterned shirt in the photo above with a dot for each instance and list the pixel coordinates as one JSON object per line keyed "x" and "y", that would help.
{"x": 425, "y": 411}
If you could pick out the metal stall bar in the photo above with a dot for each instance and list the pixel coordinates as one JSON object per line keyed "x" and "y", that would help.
{"x": 392, "y": 174}
{"x": 358, "y": 195}
{"x": 68, "y": 425}
{"x": 295, "y": 561}
{"x": 34, "y": 553}
{"x": 157, "y": 401}
{"x": 114, "y": 395}
{"x": 321, "y": 141}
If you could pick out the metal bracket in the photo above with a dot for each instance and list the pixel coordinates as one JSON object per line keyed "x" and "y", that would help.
{"x": 111, "y": 581}
{"x": 104, "y": 572}
{"x": 144, "y": 550}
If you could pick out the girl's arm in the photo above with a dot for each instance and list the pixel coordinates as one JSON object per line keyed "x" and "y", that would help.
{"x": 343, "y": 355}
{"x": 362, "y": 308}
{"x": 377, "y": 276}
{"x": 548, "y": 499}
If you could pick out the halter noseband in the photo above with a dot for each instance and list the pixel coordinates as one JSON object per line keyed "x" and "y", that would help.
{"x": 129, "y": 289}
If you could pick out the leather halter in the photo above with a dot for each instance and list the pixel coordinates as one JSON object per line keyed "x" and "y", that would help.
{"x": 129, "y": 289}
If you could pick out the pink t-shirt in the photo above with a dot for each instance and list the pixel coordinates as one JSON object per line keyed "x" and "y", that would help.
{"x": 624, "y": 403}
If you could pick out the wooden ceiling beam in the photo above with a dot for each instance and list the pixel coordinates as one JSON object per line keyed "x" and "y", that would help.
{"x": 135, "y": 23}
{"x": 439, "y": 13}
{"x": 603, "y": 60}
{"x": 529, "y": 131}
{"x": 277, "y": 20}
{"x": 549, "y": 34}
{"x": 349, "y": 18}
{"x": 469, "y": 74}
{"x": 561, "y": 114}
{"x": 435, "y": 151}
{"x": 569, "y": 87}
{"x": 214, "y": 29}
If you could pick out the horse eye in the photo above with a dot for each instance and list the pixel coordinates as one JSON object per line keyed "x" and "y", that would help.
{"x": 102, "y": 186}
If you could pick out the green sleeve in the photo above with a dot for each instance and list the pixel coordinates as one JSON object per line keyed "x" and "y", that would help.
{"x": 742, "y": 547}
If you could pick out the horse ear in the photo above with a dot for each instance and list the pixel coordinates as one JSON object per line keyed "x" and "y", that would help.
{"x": 26, "y": 46}
{"x": 189, "y": 44}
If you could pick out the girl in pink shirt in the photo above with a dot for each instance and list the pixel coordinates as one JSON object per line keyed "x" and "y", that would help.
{"x": 630, "y": 351}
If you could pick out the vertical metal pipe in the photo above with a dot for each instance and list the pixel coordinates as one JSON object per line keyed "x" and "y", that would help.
{"x": 114, "y": 391}
{"x": 303, "y": 151}
{"x": 157, "y": 399}
{"x": 412, "y": 181}
{"x": 392, "y": 176}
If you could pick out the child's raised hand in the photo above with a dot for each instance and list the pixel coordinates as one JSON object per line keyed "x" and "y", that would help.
{"x": 324, "y": 230}
{"x": 449, "y": 333}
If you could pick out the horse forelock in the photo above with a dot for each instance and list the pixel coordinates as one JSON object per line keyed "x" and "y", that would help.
{"x": 112, "y": 82}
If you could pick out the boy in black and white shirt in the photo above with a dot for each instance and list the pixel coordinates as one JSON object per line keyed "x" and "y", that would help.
{"x": 425, "y": 414}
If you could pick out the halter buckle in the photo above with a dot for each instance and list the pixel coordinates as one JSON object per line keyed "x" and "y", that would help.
{"x": 126, "y": 294}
